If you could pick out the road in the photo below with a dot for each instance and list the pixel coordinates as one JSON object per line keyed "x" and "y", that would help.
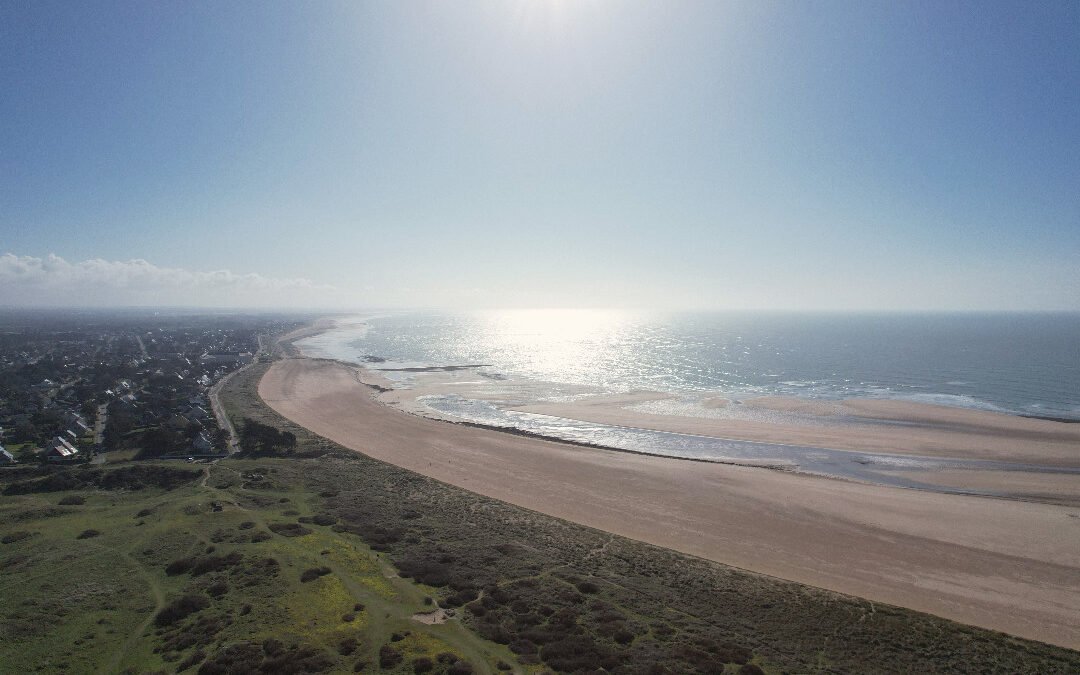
{"x": 219, "y": 411}
{"x": 99, "y": 424}
{"x": 142, "y": 347}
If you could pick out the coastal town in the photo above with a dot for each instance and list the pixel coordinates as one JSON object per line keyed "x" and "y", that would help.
{"x": 92, "y": 387}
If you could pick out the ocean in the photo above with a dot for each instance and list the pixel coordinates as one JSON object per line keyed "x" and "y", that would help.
{"x": 1024, "y": 364}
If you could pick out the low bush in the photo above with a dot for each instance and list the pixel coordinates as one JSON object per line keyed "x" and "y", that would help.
{"x": 213, "y": 563}
{"x": 180, "y": 609}
{"x": 389, "y": 657}
{"x": 314, "y": 573}
{"x": 179, "y": 566}
{"x": 16, "y": 536}
{"x": 289, "y": 529}
{"x": 72, "y": 500}
{"x": 347, "y": 646}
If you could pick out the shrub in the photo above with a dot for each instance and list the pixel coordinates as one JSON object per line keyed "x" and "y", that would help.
{"x": 180, "y": 609}
{"x": 72, "y": 500}
{"x": 179, "y": 566}
{"x": 314, "y": 573}
{"x": 217, "y": 589}
{"x": 347, "y": 646}
{"x": 289, "y": 529}
{"x": 623, "y": 637}
{"x": 16, "y": 536}
{"x": 588, "y": 587}
{"x": 213, "y": 563}
{"x": 194, "y": 659}
{"x": 389, "y": 657}
{"x": 422, "y": 665}
{"x": 750, "y": 669}
{"x": 261, "y": 439}
{"x": 577, "y": 653}
{"x": 88, "y": 534}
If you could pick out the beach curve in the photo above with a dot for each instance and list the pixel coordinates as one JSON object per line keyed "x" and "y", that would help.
{"x": 1005, "y": 565}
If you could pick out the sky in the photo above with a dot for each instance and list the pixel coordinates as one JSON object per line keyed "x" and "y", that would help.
{"x": 677, "y": 155}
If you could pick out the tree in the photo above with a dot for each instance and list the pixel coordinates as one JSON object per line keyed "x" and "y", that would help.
{"x": 261, "y": 439}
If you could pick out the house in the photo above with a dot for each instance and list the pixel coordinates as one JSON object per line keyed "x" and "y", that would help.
{"x": 227, "y": 358}
{"x": 202, "y": 443}
{"x": 178, "y": 422}
{"x": 60, "y": 450}
{"x": 6, "y": 457}
{"x": 44, "y": 385}
{"x": 197, "y": 412}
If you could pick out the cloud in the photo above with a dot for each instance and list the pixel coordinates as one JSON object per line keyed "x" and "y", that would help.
{"x": 27, "y": 280}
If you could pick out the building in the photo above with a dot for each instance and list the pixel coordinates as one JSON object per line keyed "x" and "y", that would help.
{"x": 60, "y": 450}
{"x": 241, "y": 358}
{"x": 202, "y": 443}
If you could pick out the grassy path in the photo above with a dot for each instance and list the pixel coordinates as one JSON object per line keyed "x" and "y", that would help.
{"x": 137, "y": 633}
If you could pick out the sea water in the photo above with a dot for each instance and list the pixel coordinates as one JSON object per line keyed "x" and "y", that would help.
{"x": 1025, "y": 364}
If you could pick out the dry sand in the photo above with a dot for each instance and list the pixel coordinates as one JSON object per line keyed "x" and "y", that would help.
{"x": 897, "y": 427}
{"x": 1007, "y": 565}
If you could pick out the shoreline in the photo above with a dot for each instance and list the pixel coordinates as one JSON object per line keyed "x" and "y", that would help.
{"x": 871, "y": 432}
{"x": 1001, "y": 564}
{"x": 953, "y": 485}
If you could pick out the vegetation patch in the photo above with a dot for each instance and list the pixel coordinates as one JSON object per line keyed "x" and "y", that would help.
{"x": 137, "y": 477}
{"x": 289, "y": 529}
{"x": 180, "y": 609}
{"x": 13, "y": 537}
{"x": 314, "y": 573}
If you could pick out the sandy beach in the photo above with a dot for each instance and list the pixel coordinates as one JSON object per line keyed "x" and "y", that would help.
{"x": 898, "y": 427}
{"x": 1002, "y": 564}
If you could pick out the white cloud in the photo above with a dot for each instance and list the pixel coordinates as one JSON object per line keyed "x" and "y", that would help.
{"x": 27, "y": 280}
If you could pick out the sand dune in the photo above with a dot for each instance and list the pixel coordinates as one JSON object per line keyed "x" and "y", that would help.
{"x": 1007, "y": 565}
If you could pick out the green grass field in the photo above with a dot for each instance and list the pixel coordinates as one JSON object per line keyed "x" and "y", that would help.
{"x": 79, "y": 603}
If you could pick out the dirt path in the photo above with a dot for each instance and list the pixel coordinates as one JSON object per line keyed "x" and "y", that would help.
{"x": 137, "y": 633}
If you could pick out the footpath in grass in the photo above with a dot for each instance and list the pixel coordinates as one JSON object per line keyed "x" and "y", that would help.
{"x": 220, "y": 568}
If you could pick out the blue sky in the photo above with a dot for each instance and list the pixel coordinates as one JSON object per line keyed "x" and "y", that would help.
{"x": 811, "y": 155}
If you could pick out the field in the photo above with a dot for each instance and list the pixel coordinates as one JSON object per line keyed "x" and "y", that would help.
{"x": 328, "y": 561}
{"x": 121, "y": 575}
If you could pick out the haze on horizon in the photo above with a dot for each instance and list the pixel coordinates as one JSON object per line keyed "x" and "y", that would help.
{"x": 728, "y": 155}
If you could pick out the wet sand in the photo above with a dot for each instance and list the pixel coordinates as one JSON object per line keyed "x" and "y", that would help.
{"x": 896, "y": 427}
{"x": 1007, "y": 565}
{"x": 1053, "y": 488}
